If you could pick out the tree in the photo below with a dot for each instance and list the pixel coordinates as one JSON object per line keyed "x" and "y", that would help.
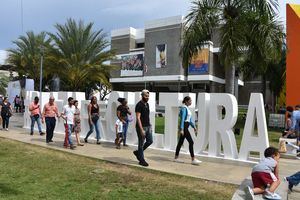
{"x": 79, "y": 55}
{"x": 26, "y": 57}
{"x": 230, "y": 18}
{"x": 3, "y": 83}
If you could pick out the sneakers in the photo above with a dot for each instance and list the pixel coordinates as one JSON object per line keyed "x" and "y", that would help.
{"x": 143, "y": 163}
{"x": 196, "y": 162}
{"x": 6, "y": 129}
{"x": 273, "y": 196}
{"x": 178, "y": 160}
{"x": 98, "y": 142}
{"x": 31, "y": 133}
{"x": 249, "y": 193}
{"x": 136, "y": 155}
{"x": 290, "y": 185}
{"x": 85, "y": 140}
{"x": 41, "y": 133}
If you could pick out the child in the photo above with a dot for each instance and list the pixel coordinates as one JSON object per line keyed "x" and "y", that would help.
{"x": 265, "y": 176}
{"x": 119, "y": 132}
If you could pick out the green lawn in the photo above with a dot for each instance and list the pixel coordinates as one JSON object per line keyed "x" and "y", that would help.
{"x": 31, "y": 172}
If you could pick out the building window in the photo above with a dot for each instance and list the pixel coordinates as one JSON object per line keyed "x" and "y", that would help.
{"x": 140, "y": 45}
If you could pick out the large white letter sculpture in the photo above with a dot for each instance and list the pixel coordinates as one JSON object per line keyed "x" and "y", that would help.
{"x": 250, "y": 142}
{"x": 220, "y": 129}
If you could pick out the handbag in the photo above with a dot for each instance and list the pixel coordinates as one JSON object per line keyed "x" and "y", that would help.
{"x": 95, "y": 117}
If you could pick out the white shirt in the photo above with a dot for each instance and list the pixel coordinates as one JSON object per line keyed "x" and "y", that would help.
{"x": 189, "y": 114}
{"x": 69, "y": 113}
{"x": 119, "y": 125}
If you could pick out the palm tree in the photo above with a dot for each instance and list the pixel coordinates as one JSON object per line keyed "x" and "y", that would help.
{"x": 27, "y": 55}
{"x": 3, "y": 83}
{"x": 230, "y": 18}
{"x": 79, "y": 55}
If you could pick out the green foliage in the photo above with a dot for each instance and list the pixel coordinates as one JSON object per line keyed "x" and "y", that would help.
{"x": 3, "y": 83}
{"x": 26, "y": 57}
{"x": 248, "y": 31}
{"x": 78, "y": 55}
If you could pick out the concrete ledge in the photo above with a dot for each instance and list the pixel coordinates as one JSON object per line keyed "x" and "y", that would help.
{"x": 241, "y": 195}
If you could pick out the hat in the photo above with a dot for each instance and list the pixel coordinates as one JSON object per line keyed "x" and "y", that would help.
{"x": 121, "y": 99}
{"x": 144, "y": 91}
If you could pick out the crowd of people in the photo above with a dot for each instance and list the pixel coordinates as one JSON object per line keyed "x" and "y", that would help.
{"x": 264, "y": 175}
{"x": 72, "y": 121}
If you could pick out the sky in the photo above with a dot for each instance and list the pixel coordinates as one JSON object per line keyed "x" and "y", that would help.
{"x": 42, "y": 15}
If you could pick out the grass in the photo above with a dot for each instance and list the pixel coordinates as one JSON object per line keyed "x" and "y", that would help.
{"x": 32, "y": 172}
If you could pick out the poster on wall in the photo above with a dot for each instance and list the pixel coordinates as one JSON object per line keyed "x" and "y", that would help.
{"x": 132, "y": 65}
{"x": 161, "y": 56}
{"x": 199, "y": 63}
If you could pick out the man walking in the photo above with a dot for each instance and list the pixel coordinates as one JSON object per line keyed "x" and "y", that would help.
{"x": 68, "y": 116}
{"x": 35, "y": 114}
{"x": 143, "y": 127}
{"x": 49, "y": 112}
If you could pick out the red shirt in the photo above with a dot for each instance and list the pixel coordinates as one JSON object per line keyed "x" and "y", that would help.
{"x": 34, "y": 109}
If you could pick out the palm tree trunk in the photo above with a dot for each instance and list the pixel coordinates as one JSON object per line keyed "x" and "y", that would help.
{"x": 229, "y": 79}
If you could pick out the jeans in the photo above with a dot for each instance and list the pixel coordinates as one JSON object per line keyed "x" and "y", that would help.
{"x": 142, "y": 146}
{"x": 294, "y": 179}
{"x": 95, "y": 123}
{"x": 125, "y": 128}
{"x": 5, "y": 121}
{"x": 50, "y": 126}
{"x": 68, "y": 134}
{"x": 38, "y": 121}
{"x": 187, "y": 135}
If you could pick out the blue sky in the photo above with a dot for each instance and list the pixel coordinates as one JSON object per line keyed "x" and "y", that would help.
{"x": 39, "y": 15}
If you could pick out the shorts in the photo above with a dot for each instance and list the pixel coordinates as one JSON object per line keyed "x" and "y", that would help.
{"x": 262, "y": 179}
{"x": 120, "y": 135}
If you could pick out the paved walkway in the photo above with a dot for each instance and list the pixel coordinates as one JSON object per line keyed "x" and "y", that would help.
{"x": 209, "y": 169}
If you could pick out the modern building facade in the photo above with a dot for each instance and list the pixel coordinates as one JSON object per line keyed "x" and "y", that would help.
{"x": 150, "y": 58}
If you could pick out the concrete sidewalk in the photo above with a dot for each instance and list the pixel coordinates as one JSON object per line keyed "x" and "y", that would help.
{"x": 209, "y": 169}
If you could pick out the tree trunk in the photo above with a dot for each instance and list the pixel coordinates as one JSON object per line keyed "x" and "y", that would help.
{"x": 229, "y": 79}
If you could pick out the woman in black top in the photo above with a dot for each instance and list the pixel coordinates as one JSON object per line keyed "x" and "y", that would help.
{"x": 6, "y": 112}
{"x": 122, "y": 113}
{"x": 93, "y": 112}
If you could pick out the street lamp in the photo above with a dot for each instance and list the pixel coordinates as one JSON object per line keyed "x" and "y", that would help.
{"x": 41, "y": 70}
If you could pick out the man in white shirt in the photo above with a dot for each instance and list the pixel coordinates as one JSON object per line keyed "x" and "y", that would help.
{"x": 68, "y": 116}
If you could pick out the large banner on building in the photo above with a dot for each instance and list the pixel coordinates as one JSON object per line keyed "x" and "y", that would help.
{"x": 161, "y": 56}
{"x": 132, "y": 65}
{"x": 199, "y": 63}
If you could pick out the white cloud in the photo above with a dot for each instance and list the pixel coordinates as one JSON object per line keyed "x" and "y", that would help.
{"x": 3, "y": 56}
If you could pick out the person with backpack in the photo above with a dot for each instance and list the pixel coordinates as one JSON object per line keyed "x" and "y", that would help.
{"x": 185, "y": 122}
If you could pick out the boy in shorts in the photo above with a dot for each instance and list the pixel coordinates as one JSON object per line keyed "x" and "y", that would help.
{"x": 119, "y": 132}
{"x": 265, "y": 176}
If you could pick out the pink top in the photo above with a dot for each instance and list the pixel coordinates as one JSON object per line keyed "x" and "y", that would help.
{"x": 34, "y": 109}
{"x": 50, "y": 110}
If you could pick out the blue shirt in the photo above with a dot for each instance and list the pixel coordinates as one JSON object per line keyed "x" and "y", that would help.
{"x": 295, "y": 120}
{"x": 183, "y": 115}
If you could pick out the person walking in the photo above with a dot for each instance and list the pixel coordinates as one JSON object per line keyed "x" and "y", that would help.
{"x": 6, "y": 113}
{"x": 143, "y": 127}
{"x": 185, "y": 122}
{"x": 50, "y": 111}
{"x": 35, "y": 115}
{"x": 94, "y": 114}
{"x": 77, "y": 123}
{"x": 68, "y": 116}
{"x": 122, "y": 112}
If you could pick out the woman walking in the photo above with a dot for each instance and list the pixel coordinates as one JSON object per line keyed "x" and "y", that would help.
{"x": 77, "y": 123}
{"x": 185, "y": 122}
{"x": 93, "y": 112}
{"x": 122, "y": 113}
{"x": 6, "y": 113}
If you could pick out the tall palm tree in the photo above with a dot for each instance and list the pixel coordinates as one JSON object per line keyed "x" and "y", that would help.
{"x": 26, "y": 57}
{"x": 230, "y": 17}
{"x": 79, "y": 55}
